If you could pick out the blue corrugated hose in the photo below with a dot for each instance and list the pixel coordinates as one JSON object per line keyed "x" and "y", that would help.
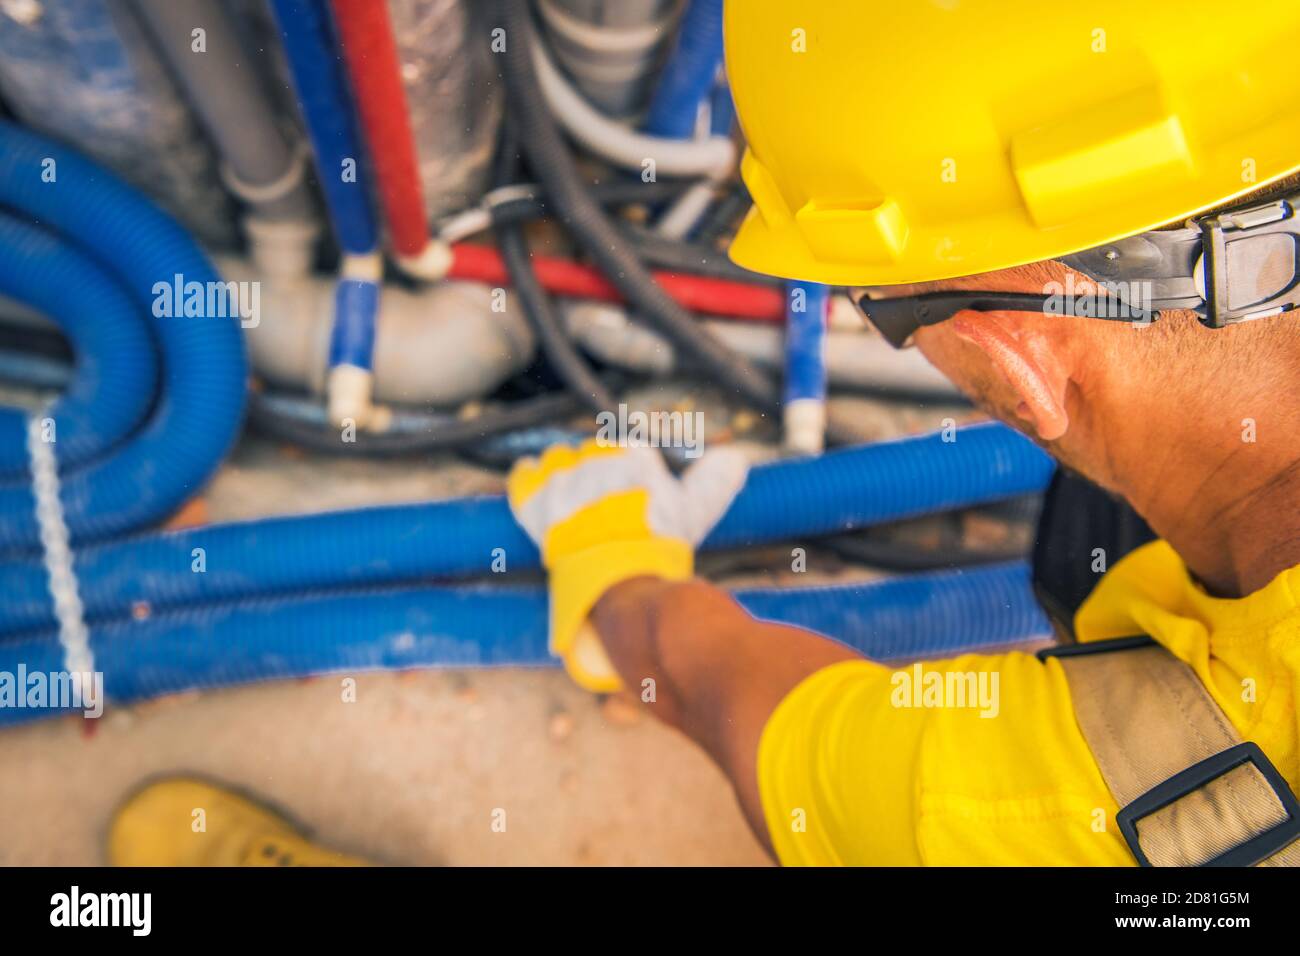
{"x": 327, "y": 111}
{"x": 788, "y": 500}
{"x": 923, "y": 615}
{"x": 116, "y": 374}
{"x": 690, "y": 72}
{"x": 204, "y": 369}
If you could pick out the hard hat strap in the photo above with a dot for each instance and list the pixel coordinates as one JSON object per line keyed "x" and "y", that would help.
{"x": 1227, "y": 267}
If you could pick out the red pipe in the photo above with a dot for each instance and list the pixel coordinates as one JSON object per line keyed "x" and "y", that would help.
{"x": 374, "y": 68}
{"x": 702, "y": 294}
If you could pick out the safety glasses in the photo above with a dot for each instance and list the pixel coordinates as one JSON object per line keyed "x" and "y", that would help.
{"x": 1229, "y": 267}
{"x": 898, "y": 319}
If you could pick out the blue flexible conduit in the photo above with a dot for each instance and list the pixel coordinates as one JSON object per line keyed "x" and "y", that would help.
{"x": 805, "y": 341}
{"x": 326, "y": 105}
{"x": 116, "y": 374}
{"x": 204, "y": 371}
{"x": 788, "y": 500}
{"x": 722, "y": 109}
{"x": 689, "y": 74}
{"x": 352, "y": 339}
{"x": 922, "y": 615}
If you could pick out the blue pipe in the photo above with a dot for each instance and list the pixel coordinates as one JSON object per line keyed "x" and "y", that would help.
{"x": 807, "y": 306}
{"x": 326, "y": 106}
{"x": 689, "y": 74}
{"x": 203, "y": 363}
{"x": 789, "y": 500}
{"x": 352, "y": 340}
{"x": 804, "y": 400}
{"x": 115, "y": 375}
{"x": 722, "y": 109}
{"x": 927, "y": 614}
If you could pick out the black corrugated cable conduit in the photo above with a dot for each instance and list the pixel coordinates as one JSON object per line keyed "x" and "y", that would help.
{"x": 550, "y": 159}
{"x": 690, "y": 258}
{"x": 285, "y": 419}
{"x": 554, "y": 341}
{"x": 539, "y": 310}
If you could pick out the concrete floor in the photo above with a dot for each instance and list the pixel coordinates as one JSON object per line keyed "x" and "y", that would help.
{"x": 412, "y": 771}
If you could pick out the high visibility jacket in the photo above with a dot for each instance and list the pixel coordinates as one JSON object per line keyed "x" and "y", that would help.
{"x": 979, "y": 759}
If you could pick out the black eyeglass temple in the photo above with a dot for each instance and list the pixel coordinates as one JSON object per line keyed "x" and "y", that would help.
{"x": 897, "y": 319}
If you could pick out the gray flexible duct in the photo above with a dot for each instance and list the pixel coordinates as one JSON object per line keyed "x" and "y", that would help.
{"x": 261, "y": 165}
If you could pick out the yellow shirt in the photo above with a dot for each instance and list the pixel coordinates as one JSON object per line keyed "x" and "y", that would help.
{"x": 857, "y": 765}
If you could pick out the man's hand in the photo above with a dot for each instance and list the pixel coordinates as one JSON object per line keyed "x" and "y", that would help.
{"x": 602, "y": 515}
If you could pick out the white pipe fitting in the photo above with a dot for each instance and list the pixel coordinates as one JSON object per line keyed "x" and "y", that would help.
{"x": 430, "y": 264}
{"x": 440, "y": 345}
{"x": 281, "y": 248}
{"x": 804, "y": 426}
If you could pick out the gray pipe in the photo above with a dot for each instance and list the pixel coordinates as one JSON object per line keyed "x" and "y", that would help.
{"x": 87, "y": 73}
{"x": 226, "y": 93}
{"x": 611, "y": 49}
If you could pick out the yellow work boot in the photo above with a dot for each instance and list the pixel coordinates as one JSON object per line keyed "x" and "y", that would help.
{"x": 181, "y": 821}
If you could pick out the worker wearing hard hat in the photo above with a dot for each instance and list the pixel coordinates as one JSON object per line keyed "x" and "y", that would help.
{"x": 958, "y": 165}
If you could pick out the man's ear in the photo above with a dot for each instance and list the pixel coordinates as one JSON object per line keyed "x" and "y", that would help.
{"x": 1025, "y": 358}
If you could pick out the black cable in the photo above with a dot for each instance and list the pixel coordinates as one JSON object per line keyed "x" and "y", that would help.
{"x": 675, "y": 255}
{"x": 877, "y": 548}
{"x": 898, "y": 556}
{"x": 722, "y": 218}
{"x": 551, "y": 161}
{"x": 539, "y": 310}
{"x": 611, "y": 192}
{"x": 303, "y": 423}
{"x": 626, "y": 192}
{"x": 692, "y": 258}
{"x": 540, "y": 313}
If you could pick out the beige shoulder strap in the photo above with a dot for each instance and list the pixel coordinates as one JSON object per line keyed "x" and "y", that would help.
{"x": 1192, "y": 792}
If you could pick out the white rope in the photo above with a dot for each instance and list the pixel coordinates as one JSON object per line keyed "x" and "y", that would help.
{"x": 57, "y": 556}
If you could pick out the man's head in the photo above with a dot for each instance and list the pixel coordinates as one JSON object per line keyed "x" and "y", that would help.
{"x": 1197, "y": 427}
{"x": 1074, "y": 384}
{"x": 897, "y": 146}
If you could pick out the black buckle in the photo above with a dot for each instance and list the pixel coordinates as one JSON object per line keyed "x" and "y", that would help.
{"x": 1198, "y": 775}
{"x": 1273, "y": 217}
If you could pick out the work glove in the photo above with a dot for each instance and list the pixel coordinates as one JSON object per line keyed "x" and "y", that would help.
{"x": 604, "y": 514}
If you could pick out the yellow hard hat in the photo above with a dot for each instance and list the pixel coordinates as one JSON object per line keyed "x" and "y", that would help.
{"x": 896, "y": 141}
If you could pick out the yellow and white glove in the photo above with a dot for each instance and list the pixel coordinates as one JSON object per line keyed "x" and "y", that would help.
{"x": 604, "y": 514}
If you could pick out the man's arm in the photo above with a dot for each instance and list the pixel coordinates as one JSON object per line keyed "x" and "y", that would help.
{"x": 718, "y": 673}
